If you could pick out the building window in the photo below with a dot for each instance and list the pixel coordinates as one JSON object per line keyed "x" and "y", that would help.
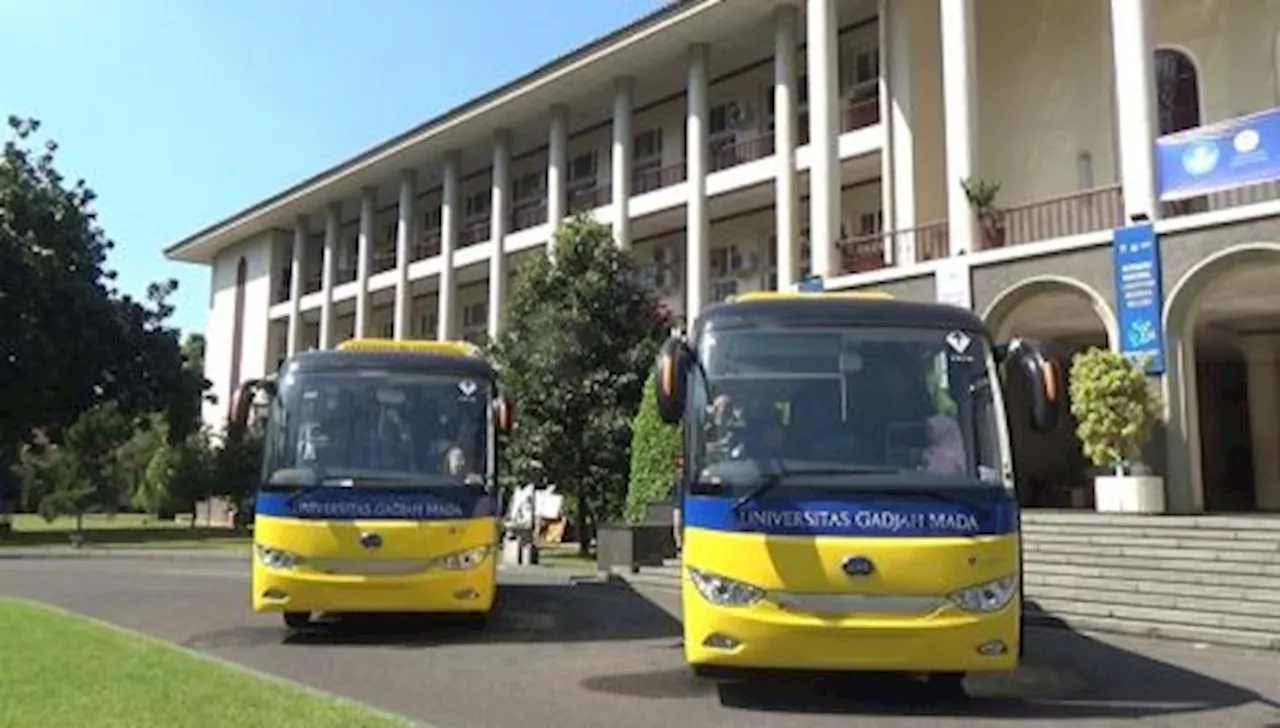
{"x": 477, "y": 205}
{"x": 1177, "y": 91}
{"x": 647, "y": 149}
{"x": 583, "y": 169}
{"x": 528, "y": 187}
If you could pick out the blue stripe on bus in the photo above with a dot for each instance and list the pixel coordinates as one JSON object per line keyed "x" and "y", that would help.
{"x": 354, "y": 503}
{"x": 855, "y": 516}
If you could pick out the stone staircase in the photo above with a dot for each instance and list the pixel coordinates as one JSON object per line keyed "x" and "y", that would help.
{"x": 1211, "y": 579}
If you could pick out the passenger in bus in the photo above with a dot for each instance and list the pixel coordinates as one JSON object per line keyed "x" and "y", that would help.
{"x": 945, "y": 454}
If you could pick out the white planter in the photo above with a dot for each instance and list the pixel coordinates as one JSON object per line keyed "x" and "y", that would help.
{"x": 1128, "y": 494}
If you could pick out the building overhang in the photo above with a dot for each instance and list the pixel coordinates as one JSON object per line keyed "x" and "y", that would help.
{"x": 648, "y": 42}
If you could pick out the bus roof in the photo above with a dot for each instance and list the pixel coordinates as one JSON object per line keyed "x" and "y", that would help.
{"x": 428, "y": 357}
{"x": 835, "y": 309}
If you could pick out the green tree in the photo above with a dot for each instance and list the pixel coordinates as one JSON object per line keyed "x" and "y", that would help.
{"x": 84, "y": 472}
{"x": 72, "y": 342}
{"x": 1114, "y": 405}
{"x": 580, "y": 333}
{"x": 655, "y": 449}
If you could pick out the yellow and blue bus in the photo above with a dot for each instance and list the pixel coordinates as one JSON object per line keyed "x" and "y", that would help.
{"x": 379, "y": 488}
{"x": 846, "y": 495}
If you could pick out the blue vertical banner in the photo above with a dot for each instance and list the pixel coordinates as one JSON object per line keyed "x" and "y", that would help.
{"x": 1139, "y": 294}
{"x": 1216, "y": 157}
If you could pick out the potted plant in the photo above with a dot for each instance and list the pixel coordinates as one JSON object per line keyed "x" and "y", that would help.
{"x": 982, "y": 197}
{"x": 1115, "y": 409}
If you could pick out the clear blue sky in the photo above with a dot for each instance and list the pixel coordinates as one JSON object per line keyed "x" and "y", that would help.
{"x": 181, "y": 112}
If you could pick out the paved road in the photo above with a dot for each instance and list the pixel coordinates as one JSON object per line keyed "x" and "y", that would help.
{"x": 582, "y": 655}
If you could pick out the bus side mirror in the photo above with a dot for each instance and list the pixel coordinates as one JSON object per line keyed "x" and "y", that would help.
{"x": 242, "y": 403}
{"x": 1043, "y": 378}
{"x": 672, "y": 367}
{"x": 503, "y": 418}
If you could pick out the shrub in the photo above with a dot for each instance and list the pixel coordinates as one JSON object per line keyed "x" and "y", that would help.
{"x": 1114, "y": 406}
{"x": 655, "y": 446}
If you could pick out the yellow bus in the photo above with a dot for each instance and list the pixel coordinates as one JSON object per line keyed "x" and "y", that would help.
{"x": 846, "y": 495}
{"x": 379, "y": 488}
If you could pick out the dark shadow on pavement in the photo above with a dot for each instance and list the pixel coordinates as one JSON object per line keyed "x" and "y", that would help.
{"x": 1065, "y": 675}
{"x": 561, "y": 612}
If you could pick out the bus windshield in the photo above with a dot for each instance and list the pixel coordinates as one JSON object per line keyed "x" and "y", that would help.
{"x": 378, "y": 428}
{"x": 884, "y": 405}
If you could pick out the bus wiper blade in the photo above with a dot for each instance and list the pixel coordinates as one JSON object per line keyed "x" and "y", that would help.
{"x": 934, "y": 494}
{"x": 780, "y": 474}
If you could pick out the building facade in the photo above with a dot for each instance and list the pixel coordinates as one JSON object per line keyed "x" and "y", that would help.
{"x": 743, "y": 144}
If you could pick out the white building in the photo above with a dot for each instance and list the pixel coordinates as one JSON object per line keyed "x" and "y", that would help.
{"x": 717, "y": 137}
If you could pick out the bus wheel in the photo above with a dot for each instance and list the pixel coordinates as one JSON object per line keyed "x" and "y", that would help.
{"x": 297, "y": 620}
{"x": 475, "y": 621}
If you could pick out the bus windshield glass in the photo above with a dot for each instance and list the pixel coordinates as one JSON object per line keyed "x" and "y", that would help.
{"x": 378, "y": 428}
{"x": 880, "y": 405}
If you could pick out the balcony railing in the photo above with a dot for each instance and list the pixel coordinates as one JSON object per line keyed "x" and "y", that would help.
{"x": 473, "y": 233}
{"x": 1227, "y": 199}
{"x": 867, "y": 252}
{"x": 589, "y": 198}
{"x": 384, "y": 259}
{"x": 860, "y": 114}
{"x": 429, "y": 246}
{"x": 731, "y": 155}
{"x": 528, "y": 213}
{"x": 1057, "y": 217}
{"x": 655, "y": 178}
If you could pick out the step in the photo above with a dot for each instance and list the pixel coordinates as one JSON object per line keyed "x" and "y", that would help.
{"x": 1176, "y": 532}
{"x": 1185, "y": 617}
{"x": 1171, "y": 541}
{"x": 1189, "y": 608}
{"x": 1158, "y": 630}
{"x": 1182, "y": 582}
{"x": 1142, "y": 550}
{"x": 1264, "y": 523}
{"x": 1148, "y": 563}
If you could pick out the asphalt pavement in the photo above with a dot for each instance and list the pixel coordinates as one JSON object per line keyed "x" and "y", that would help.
{"x": 568, "y": 653}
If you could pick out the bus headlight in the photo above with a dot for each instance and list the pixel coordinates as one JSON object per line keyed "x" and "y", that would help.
{"x": 723, "y": 591}
{"x": 460, "y": 560}
{"x": 989, "y": 597}
{"x": 277, "y": 558}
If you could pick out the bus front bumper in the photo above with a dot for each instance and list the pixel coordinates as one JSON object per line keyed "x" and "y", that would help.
{"x": 762, "y": 637}
{"x": 471, "y": 590}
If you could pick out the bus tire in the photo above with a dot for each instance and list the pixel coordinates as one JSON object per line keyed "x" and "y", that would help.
{"x": 297, "y": 620}
{"x": 947, "y": 685}
{"x": 475, "y": 621}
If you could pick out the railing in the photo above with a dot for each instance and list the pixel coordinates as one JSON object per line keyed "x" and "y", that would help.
{"x": 528, "y": 213}
{"x": 867, "y": 252}
{"x": 860, "y": 114}
{"x": 428, "y": 247}
{"x": 473, "y": 233}
{"x": 589, "y": 198}
{"x": 1057, "y": 217}
{"x": 732, "y": 155}
{"x": 384, "y": 259}
{"x": 1225, "y": 200}
{"x": 648, "y": 180}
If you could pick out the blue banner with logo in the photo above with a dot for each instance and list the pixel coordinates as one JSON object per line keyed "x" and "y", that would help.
{"x": 1139, "y": 294}
{"x": 1229, "y": 154}
{"x": 328, "y": 503}
{"x": 855, "y": 516}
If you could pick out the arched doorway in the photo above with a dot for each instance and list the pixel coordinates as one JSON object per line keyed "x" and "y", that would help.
{"x": 1067, "y": 317}
{"x": 1222, "y": 390}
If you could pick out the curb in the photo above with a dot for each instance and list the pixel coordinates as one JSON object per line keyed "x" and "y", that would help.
{"x": 36, "y": 552}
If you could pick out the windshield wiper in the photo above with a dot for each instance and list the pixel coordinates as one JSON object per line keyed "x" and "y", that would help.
{"x": 780, "y": 474}
{"x": 932, "y": 493}
{"x": 320, "y": 480}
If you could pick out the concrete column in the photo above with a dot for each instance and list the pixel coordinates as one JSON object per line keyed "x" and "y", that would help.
{"x": 557, "y": 167}
{"x": 1184, "y": 483}
{"x": 698, "y": 220}
{"x": 332, "y": 225}
{"x": 1262, "y": 359}
{"x": 897, "y": 160}
{"x": 450, "y": 214}
{"x": 364, "y": 249}
{"x": 297, "y": 274}
{"x": 403, "y": 309}
{"x": 960, "y": 103}
{"x": 822, "y": 50}
{"x": 786, "y": 188}
{"x": 1135, "y": 104}
{"x": 500, "y": 212}
{"x": 621, "y": 166}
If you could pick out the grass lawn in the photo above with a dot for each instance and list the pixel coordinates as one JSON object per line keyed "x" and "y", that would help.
{"x": 63, "y": 670}
{"x": 123, "y": 529}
